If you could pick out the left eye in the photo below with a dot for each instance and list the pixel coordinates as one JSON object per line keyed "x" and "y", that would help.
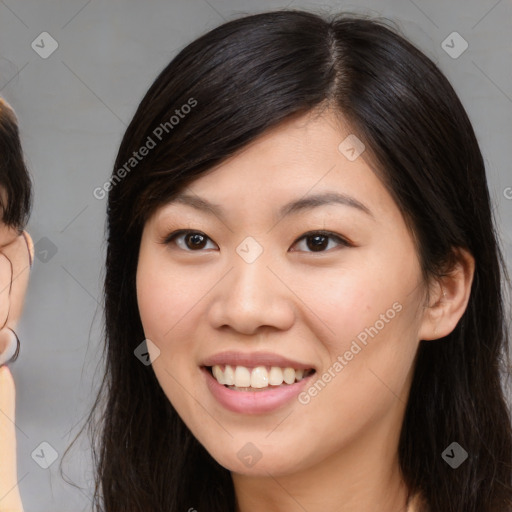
{"x": 319, "y": 238}
{"x": 196, "y": 240}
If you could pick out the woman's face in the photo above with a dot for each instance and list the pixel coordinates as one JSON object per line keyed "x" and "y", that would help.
{"x": 250, "y": 290}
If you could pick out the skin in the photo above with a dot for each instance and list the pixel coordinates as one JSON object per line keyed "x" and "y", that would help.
{"x": 339, "y": 451}
{"x": 14, "y": 247}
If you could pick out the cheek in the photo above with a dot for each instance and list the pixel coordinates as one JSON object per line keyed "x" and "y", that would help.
{"x": 369, "y": 316}
{"x": 364, "y": 382}
{"x": 163, "y": 301}
{"x": 365, "y": 295}
{"x": 165, "y": 298}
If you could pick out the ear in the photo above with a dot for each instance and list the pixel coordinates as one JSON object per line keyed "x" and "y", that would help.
{"x": 449, "y": 297}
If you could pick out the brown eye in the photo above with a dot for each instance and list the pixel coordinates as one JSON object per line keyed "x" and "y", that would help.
{"x": 188, "y": 240}
{"x": 317, "y": 241}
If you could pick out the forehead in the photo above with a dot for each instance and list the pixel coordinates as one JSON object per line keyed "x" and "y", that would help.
{"x": 299, "y": 160}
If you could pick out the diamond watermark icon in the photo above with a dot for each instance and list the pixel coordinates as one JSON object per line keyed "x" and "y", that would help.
{"x": 351, "y": 147}
{"x": 454, "y": 455}
{"x": 249, "y": 250}
{"x": 44, "y": 45}
{"x": 45, "y": 249}
{"x": 45, "y": 455}
{"x": 454, "y": 45}
{"x": 147, "y": 352}
{"x": 249, "y": 454}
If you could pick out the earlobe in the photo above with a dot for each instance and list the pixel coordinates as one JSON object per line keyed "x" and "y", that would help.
{"x": 449, "y": 299}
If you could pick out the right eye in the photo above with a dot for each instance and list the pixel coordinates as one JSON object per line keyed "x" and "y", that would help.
{"x": 188, "y": 239}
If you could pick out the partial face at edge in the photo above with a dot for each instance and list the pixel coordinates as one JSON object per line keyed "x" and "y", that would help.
{"x": 312, "y": 300}
{"x": 14, "y": 274}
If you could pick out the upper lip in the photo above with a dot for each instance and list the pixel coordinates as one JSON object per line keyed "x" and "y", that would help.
{"x": 254, "y": 359}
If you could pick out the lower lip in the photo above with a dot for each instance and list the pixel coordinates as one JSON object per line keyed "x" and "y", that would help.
{"x": 254, "y": 402}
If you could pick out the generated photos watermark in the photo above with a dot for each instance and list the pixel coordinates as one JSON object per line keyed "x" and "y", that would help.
{"x": 151, "y": 142}
{"x": 344, "y": 359}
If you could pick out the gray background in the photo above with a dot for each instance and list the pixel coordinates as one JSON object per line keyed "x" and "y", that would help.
{"x": 73, "y": 108}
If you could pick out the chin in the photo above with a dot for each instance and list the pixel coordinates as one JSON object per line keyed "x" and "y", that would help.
{"x": 250, "y": 461}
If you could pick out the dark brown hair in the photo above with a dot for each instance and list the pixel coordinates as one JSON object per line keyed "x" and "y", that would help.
{"x": 247, "y": 76}
{"x": 14, "y": 176}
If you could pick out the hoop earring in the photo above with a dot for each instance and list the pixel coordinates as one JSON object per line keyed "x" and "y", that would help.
{"x": 7, "y": 351}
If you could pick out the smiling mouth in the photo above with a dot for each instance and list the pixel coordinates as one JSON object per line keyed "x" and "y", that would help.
{"x": 259, "y": 378}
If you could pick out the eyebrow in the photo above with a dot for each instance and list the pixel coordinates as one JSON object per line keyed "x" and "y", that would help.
{"x": 298, "y": 205}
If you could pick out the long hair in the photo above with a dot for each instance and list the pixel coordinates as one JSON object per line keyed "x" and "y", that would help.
{"x": 14, "y": 175}
{"x": 239, "y": 80}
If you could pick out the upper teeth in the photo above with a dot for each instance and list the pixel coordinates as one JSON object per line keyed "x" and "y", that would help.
{"x": 259, "y": 377}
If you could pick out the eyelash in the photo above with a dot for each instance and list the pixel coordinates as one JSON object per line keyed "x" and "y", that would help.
{"x": 341, "y": 241}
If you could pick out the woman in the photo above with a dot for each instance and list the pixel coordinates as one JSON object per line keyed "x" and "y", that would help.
{"x": 303, "y": 293}
{"x": 16, "y": 255}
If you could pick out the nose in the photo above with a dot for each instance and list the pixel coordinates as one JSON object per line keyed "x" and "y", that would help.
{"x": 252, "y": 297}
